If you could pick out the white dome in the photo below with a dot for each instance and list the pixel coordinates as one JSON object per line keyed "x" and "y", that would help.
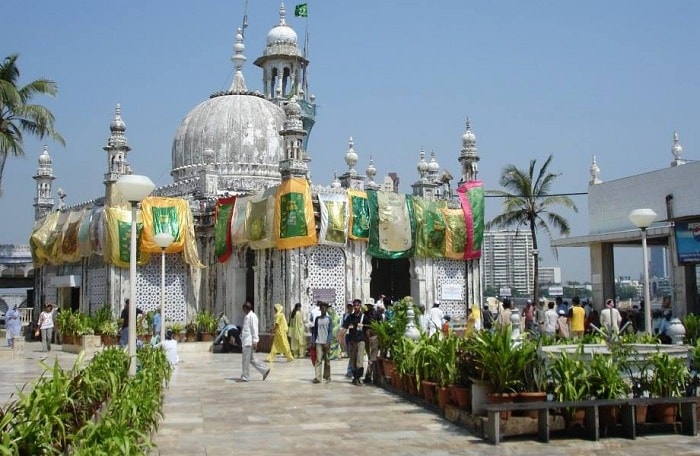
{"x": 241, "y": 129}
{"x": 281, "y": 33}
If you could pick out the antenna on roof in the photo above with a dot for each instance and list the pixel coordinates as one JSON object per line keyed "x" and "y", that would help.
{"x": 245, "y": 19}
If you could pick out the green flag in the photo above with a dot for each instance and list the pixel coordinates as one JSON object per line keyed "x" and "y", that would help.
{"x": 301, "y": 10}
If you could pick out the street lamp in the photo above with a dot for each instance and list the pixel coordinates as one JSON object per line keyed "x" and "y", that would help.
{"x": 642, "y": 219}
{"x": 163, "y": 240}
{"x": 134, "y": 188}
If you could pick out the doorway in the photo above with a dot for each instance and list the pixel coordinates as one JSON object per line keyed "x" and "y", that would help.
{"x": 390, "y": 278}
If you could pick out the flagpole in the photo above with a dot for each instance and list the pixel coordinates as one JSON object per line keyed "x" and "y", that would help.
{"x": 306, "y": 56}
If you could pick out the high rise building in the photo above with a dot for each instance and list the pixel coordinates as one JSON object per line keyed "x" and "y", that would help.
{"x": 507, "y": 260}
{"x": 657, "y": 262}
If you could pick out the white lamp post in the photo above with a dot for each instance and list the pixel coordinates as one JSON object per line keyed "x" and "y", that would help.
{"x": 134, "y": 188}
{"x": 642, "y": 219}
{"x": 163, "y": 240}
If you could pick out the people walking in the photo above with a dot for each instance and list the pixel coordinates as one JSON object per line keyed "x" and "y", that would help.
{"x": 435, "y": 317}
{"x": 249, "y": 340}
{"x": 280, "y": 344}
{"x": 13, "y": 324}
{"x": 45, "y": 325}
{"x": 610, "y": 318}
{"x": 321, "y": 336}
{"x": 503, "y": 320}
{"x": 473, "y": 320}
{"x": 353, "y": 326}
{"x": 297, "y": 334}
{"x": 550, "y": 319}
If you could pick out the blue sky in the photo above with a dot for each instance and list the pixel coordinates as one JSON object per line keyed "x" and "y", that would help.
{"x": 572, "y": 79}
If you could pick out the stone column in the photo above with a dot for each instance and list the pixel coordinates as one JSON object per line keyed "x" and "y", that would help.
{"x": 602, "y": 273}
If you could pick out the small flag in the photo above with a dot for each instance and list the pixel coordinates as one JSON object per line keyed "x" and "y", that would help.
{"x": 301, "y": 10}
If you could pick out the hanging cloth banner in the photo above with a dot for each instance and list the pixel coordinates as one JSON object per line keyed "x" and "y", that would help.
{"x": 69, "y": 240}
{"x": 118, "y": 245}
{"x": 238, "y": 217}
{"x": 430, "y": 228}
{"x": 392, "y": 225}
{"x": 98, "y": 237}
{"x": 172, "y": 216}
{"x": 455, "y": 233}
{"x": 84, "y": 247}
{"x": 294, "y": 215}
{"x": 359, "y": 215}
{"x": 334, "y": 218}
{"x": 222, "y": 228}
{"x": 259, "y": 221}
{"x": 42, "y": 235}
{"x": 471, "y": 196}
{"x": 55, "y": 241}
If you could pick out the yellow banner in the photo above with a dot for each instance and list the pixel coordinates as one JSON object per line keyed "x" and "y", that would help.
{"x": 294, "y": 215}
{"x": 118, "y": 239}
{"x": 455, "y": 233}
{"x": 42, "y": 239}
{"x": 171, "y": 216}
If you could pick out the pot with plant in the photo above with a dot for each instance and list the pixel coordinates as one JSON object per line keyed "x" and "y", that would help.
{"x": 446, "y": 368}
{"x": 404, "y": 360}
{"x": 206, "y": 325}
{"x": 191, "y": 332}
{"x": 534, "y": 379}
{"x": 668, "y": 378}
{"x": 178, "y": 330}
{"x": 501, "y": 363}
{"x": 569, "y": 380}
{"x": 427, "y": 357}
{"x": 605, "y": 381}
{"x": 108, "y": 332}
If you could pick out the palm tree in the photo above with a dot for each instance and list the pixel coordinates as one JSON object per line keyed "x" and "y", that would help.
{"x": 527, "y": 202}
{"x": 17, "y": 116}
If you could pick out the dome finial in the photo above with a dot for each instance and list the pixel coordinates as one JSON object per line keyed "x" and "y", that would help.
{"x": 238, "y": 85}
{"x": 117, "y": 124}
{"x": 422, "y": 165}
{"x": 351, "y": 157}
{"x": 282, "y": 14}
{"x": 676, "y": 149}
{"x": 336, "y": 182}
{"x": 433, "y": 166}
{"x": 595, "y": 173}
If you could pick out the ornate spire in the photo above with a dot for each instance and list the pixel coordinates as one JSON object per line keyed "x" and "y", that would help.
{"x": 469, "y": 156}
{"x": 351, "y": 157}
{"x": 677, "y": 151}
{"x": 238, "y": 84}
{"x": 336, "y": 181}
{"x": 433, "y": 167}
{"x": 422, "y": 166}
{"x": 595, "y": 173}
{"x": 43, "y": 201}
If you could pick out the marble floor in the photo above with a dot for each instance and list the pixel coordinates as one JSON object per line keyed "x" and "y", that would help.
{"x": 207, "y": 412}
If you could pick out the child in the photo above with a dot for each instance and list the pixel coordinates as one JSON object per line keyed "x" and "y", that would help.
{"x": 446, "y": 325}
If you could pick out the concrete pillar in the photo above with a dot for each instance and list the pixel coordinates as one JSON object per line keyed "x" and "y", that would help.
{"x": 602, "y": 273}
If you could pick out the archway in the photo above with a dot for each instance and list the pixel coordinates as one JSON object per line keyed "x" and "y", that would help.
{"x": 390, "y": 278}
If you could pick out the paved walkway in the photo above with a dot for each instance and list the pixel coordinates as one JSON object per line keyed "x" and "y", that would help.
{"x": 207, "y": 412}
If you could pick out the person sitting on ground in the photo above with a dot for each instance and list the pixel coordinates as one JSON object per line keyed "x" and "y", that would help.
{"x": 170, "y": 347}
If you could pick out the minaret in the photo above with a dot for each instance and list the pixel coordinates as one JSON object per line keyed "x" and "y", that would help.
{"x": 117, "y": 148}
{"x": 285, "y": 71}
{"x": 677, "y": 151}
{"x": 595, "y": 173}
{"x": 351, "y": 178}
{"x": 426, "y": 184}
{"x": 295, "y": 162}
{"x": 43, "y": 202}
{"x": 469, "y": 157}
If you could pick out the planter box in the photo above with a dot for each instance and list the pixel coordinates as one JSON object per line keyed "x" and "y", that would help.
{"x": 89, "y": 344}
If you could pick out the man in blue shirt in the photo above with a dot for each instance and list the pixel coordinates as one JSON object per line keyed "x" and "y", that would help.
{"x": 321, "y": 334}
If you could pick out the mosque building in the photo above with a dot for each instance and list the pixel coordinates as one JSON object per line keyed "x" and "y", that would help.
{"x": 231, "y": 157}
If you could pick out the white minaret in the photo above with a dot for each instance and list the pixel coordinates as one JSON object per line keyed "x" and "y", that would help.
{"x": 469, "y": 157}
{"x": 43, "y": 202}
{"x": 117, "y": 149}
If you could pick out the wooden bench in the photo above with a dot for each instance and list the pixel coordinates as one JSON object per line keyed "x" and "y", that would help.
{"x": 591, "y": 423}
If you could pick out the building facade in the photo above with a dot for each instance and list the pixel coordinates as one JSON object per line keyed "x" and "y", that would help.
{"x": 242, "y": 143}
{"x": 507, "y": 261}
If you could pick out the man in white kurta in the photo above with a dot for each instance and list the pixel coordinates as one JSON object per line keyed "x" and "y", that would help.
{"x": 13, "y": 325}
{"x": 249, "y": 341}
{"x": 435, "y": 316}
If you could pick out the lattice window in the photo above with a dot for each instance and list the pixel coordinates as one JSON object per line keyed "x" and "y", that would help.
{"x": 451, "y": 272}
{"x": 148, "y": 286}
{"x": 97, "y": 286}
{"x": 327, "y": 271}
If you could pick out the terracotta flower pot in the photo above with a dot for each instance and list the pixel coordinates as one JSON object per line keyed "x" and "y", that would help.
{"x": 666, "y": 413}
{"x": 502, "y": 398}
{"x": 531, "y": 396}
{"x": 640, "y": 412}
{"x": 460, "y": 395}
{"x": 443, "y": 397}
{"x": 428, "y": 389}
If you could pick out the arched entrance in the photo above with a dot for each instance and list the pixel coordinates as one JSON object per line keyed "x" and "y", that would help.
{"x": 390, "y": 278}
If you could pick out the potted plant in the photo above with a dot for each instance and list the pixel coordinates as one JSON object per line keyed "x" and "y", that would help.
{"x": 178, "y": 330}
{"x": 534, "y": 378}
{"x": 404, "y": 360}
{"x": 605, "y": 381}
{"x": 501, "y": 363}
{"x": 446, "y": 368}
{"x": 427, "y": 358}
{"x": 460, "y": 387}
{"x": 668, "y": 378}
{"x": 66, "y": 323}
{"x": 190, "y": 332}
{"x": 206, "y": 325}
{"x": 569, "y": 382}
{"x": 108, "y": 331}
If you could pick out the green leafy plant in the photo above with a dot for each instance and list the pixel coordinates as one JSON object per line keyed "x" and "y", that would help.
{"x": 569, "y": 376}
{"x": 669, "y": 376}
{"x": 692, "y": 328}
{"x": 605, "y": 379}
{"x": 205, "y": 322}
{"x": 108, "y": 328}
{"x": 177, "y": 327}
{"x": 499, "y": 361}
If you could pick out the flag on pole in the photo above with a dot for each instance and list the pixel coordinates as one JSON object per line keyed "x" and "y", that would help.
{"x": 471, "y": 197}
{"x": 301, "y": 10}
